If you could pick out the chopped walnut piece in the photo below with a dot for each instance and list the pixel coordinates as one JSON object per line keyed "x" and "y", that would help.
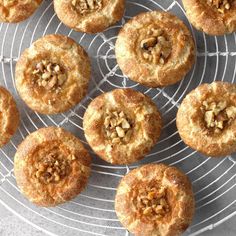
{"x": 52, "y": 168}
{"x": 151, "y": 202}
{"x": 156, "y": 47}
{"x": 218, "y": 115}
{"x": 231, "y": 112}
{"x": 49, "y": 75}
{"x": 220, "y": 5}
{"x": 117, "y": 126}
{"x": 87, "y": 6}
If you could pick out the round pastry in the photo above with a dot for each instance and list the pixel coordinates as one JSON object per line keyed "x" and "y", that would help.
{"x": 89, "y": 16}
{"x": 206, "y": 119}
{"x": 155, "y": 200}
{"x": 155, "y": 49}
{"x": 14, "y": 11}
{"x": 122, "y": 126}
{"x": 52, "y": 75}
{"x": 214, "y": 17}
{"x": 51, "y": 166}
{"x": 9, "y": 116}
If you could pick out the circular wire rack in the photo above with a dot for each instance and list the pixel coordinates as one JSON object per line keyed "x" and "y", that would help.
{"x": 92, "y": 212}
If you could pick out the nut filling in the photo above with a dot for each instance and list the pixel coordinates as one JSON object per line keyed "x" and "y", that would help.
{"x": 118, "y": 128}
{"x": 151, "y": 202}
{"x": 53, "y": 168}
{"x": 156, "y": 48}
{"x": 220, "y": 5}
{"x": 87, "y": 6}
{"x": 218, "y": 115}
{"x": 49, "y": 75}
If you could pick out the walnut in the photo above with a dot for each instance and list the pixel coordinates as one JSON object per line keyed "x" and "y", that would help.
{"x": 218, "y": 115}
{"x": 220, "y": 5}
{"x": 86, "y": 6}
{"x": 151, "y": 202}
{"x": 49, "y": 75}
{"x": 156, "y": 47}
{"x": 117, "y": 126}
{"x": 52, "y": 168}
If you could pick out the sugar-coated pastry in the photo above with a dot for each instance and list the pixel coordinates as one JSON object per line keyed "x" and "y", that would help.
{"x": 155, "y": 49}
{"x": 9, "y": 116}
{"x": 122, "y": 126}
{"x": 52, "y": 75}
{"x": 155, "y": 200}
{"x": 14, "y": 11}
{"x": 206, "y": 119}
{"x": 214, "y": 17}
{"x": 51, "y": 166}
{"x": 89, "y": 16}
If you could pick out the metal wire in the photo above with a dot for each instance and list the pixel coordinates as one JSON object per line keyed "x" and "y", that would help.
{"x": 92, "y": 213}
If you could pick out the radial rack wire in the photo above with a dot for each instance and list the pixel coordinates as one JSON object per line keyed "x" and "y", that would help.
{"x": 92, "y": 213}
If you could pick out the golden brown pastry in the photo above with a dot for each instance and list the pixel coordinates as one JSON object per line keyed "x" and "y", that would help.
{"x": 52, "y": 75}
{"x": 9, "y": 116}
{"x": 51, "y": 166}
{"x": 214, "y": 17}
{"x": 89, "y": 16}
{"x": 155, "y": 49}
{"x": 206, "y": 119}
{"x": 122, "y": 126}
{"x": 14, "y": 11}
{"x": 155, "y": 200}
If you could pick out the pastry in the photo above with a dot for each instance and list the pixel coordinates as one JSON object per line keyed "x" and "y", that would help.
{"x": 89, "y": 16}
{"x": 122, "y": 126}
{"x": 9, "y": 116}
{"x": 13, "y": 11}
{"x": 155, "y": 49}
{"x": 214, "y": 17}
{"x": 52, "y": 75}
{"x": 206, "y": 119}
{"x": 155, "y": 200}
{"x": 51, "y": 166}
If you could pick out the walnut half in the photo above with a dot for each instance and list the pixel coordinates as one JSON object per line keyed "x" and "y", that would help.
{"x": 118, "y": 127}
{"x": 87, "y": 6}
{"x": 49, "y": 75}
{"x": 220, "y": 5}
{"x": 156, "y": 47}
{"x": 53, "y": 167}
{"x": 151, "y": 202}
{"x": 217, "y": 115}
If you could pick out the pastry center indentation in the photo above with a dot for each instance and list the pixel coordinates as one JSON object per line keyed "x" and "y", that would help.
{"x": 49, "y": 75}
{"x": 118, "y": 127}
{"x": 151, "y": 202}
{"x": 220, "y": 5}
{"x": 87, "y": 6}
{"x": 155, "y": 46}
{"x": 53, "y": 167}
{"x": 217, "y": 115}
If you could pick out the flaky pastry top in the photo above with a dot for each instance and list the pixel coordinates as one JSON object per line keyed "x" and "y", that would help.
{"x": 52, "y": 75}
{"x": 51, "y": 166}
{"x": 14, "y": 11}
{"x": 90, "y": 16}
{"x": 155, "y": 49}
{"x": 9, "y": 116}
{"x": 155, "y": 200}
{"x": 121, "y": 126}
{"x": 206, "y": 119}
{"x": 214, "y": 17}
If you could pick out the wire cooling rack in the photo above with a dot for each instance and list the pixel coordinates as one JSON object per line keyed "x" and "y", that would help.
{"x": 92, "y": 212}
